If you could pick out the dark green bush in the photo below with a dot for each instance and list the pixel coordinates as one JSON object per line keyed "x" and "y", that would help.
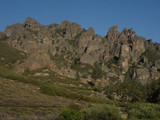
{"x": 71, "y": 114}
{"x": 78, "y": 36}
{"x": 77, "y": 61}
{"x": 61, "y": 31}
{"x": 74, "y": 106}
{"x": 128, "y": 91}
{"x": 97, "y": 73}
{"x": 71, "y": 42}
{"x": 153, "y": 91}
{"x": 102, "y": 112}
{"x": 48, "y": 89}
{"x": 110, "y": 62}
{"x": 144, "y": 111}
{"x": 77, "y": 75}
{"x": 84, "y": 69}
{"x": 4, "y": 38}
{"x": 152, "y": 55}
{"x": 60, "y": 61}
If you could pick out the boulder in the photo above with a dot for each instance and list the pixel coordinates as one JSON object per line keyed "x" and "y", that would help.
{"x": 137, "y": 48}
{"x": 92, "y": 46}
{"x": 155, "y": 73}
{"x": 157, "y": 63}
{"x": 72, "y": 30}
{"x": 141, "y": 75}
{"x": 124, "y": 58}
{"x": 88, "y": 59}
{"x": 41, "y": 74}
{"x": 85, "y": 38}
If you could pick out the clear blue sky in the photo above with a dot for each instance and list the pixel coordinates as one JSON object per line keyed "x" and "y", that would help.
{"x": 141, "y": 15}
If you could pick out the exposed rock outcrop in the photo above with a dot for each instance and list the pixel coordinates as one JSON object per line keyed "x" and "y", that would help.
{"x": 67, "y": 48}
{"x": 113, "y": 34}
{"x": 142, "y": 75}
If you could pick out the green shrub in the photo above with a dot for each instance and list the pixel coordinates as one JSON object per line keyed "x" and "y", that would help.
{"x": 4, "y": 38}
{"x": 71, "y": 42}
{"x": 77, "y": 75}
{"x": 97, "y": 73}
{"x": 60, "y": 61}
{"x": 144, "y": 111}
{"x": 152, "y": 55}
{"x": 78, "y": 36}
{"x": 110, "y": 62}
{"x": 102, "y": 112}
{"x": 48, "y": 89}
{"x": 84, "y": 69}
{"x": 71, "y": 114}
{"x": 77, "y": 61}
{"x": 153, "y": 91}
{"x": 74, "y": 106}
{"x": 61, "y": 31}
{"x": 127, "y": 91}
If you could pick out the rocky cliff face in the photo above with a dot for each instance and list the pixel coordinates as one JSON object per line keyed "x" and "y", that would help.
{"x": 68, "y": 49}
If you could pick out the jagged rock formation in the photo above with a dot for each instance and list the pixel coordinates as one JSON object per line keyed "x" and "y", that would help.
{"x": 68, "y": 49}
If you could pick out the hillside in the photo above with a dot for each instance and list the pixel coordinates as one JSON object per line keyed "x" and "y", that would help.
{"x": 44, "y": 69}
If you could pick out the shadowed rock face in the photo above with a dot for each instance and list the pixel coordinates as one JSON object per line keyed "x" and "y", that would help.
{"x": 66, "y": 48}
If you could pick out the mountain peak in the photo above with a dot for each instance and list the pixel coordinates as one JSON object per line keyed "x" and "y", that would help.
{"x": 31, "y": 22}
{"x": 113, "y": 33}
{"x": 66, "y": 48}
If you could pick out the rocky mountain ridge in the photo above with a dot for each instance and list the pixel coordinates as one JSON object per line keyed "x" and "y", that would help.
{"x": 72, "y": 51}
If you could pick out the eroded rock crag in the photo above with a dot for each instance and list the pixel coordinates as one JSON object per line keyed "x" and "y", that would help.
{"x": 67, "y": 48}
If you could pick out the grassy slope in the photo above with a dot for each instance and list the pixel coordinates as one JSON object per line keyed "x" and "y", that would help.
{"x": 20, "y": 94}
{"x": 18, "y": 99}
{"x": 54, "y": 86}
{"x": 9, "y": 55}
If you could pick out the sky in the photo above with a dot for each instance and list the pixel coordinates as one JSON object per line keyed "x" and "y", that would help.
{"x": 141, "y": 15}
